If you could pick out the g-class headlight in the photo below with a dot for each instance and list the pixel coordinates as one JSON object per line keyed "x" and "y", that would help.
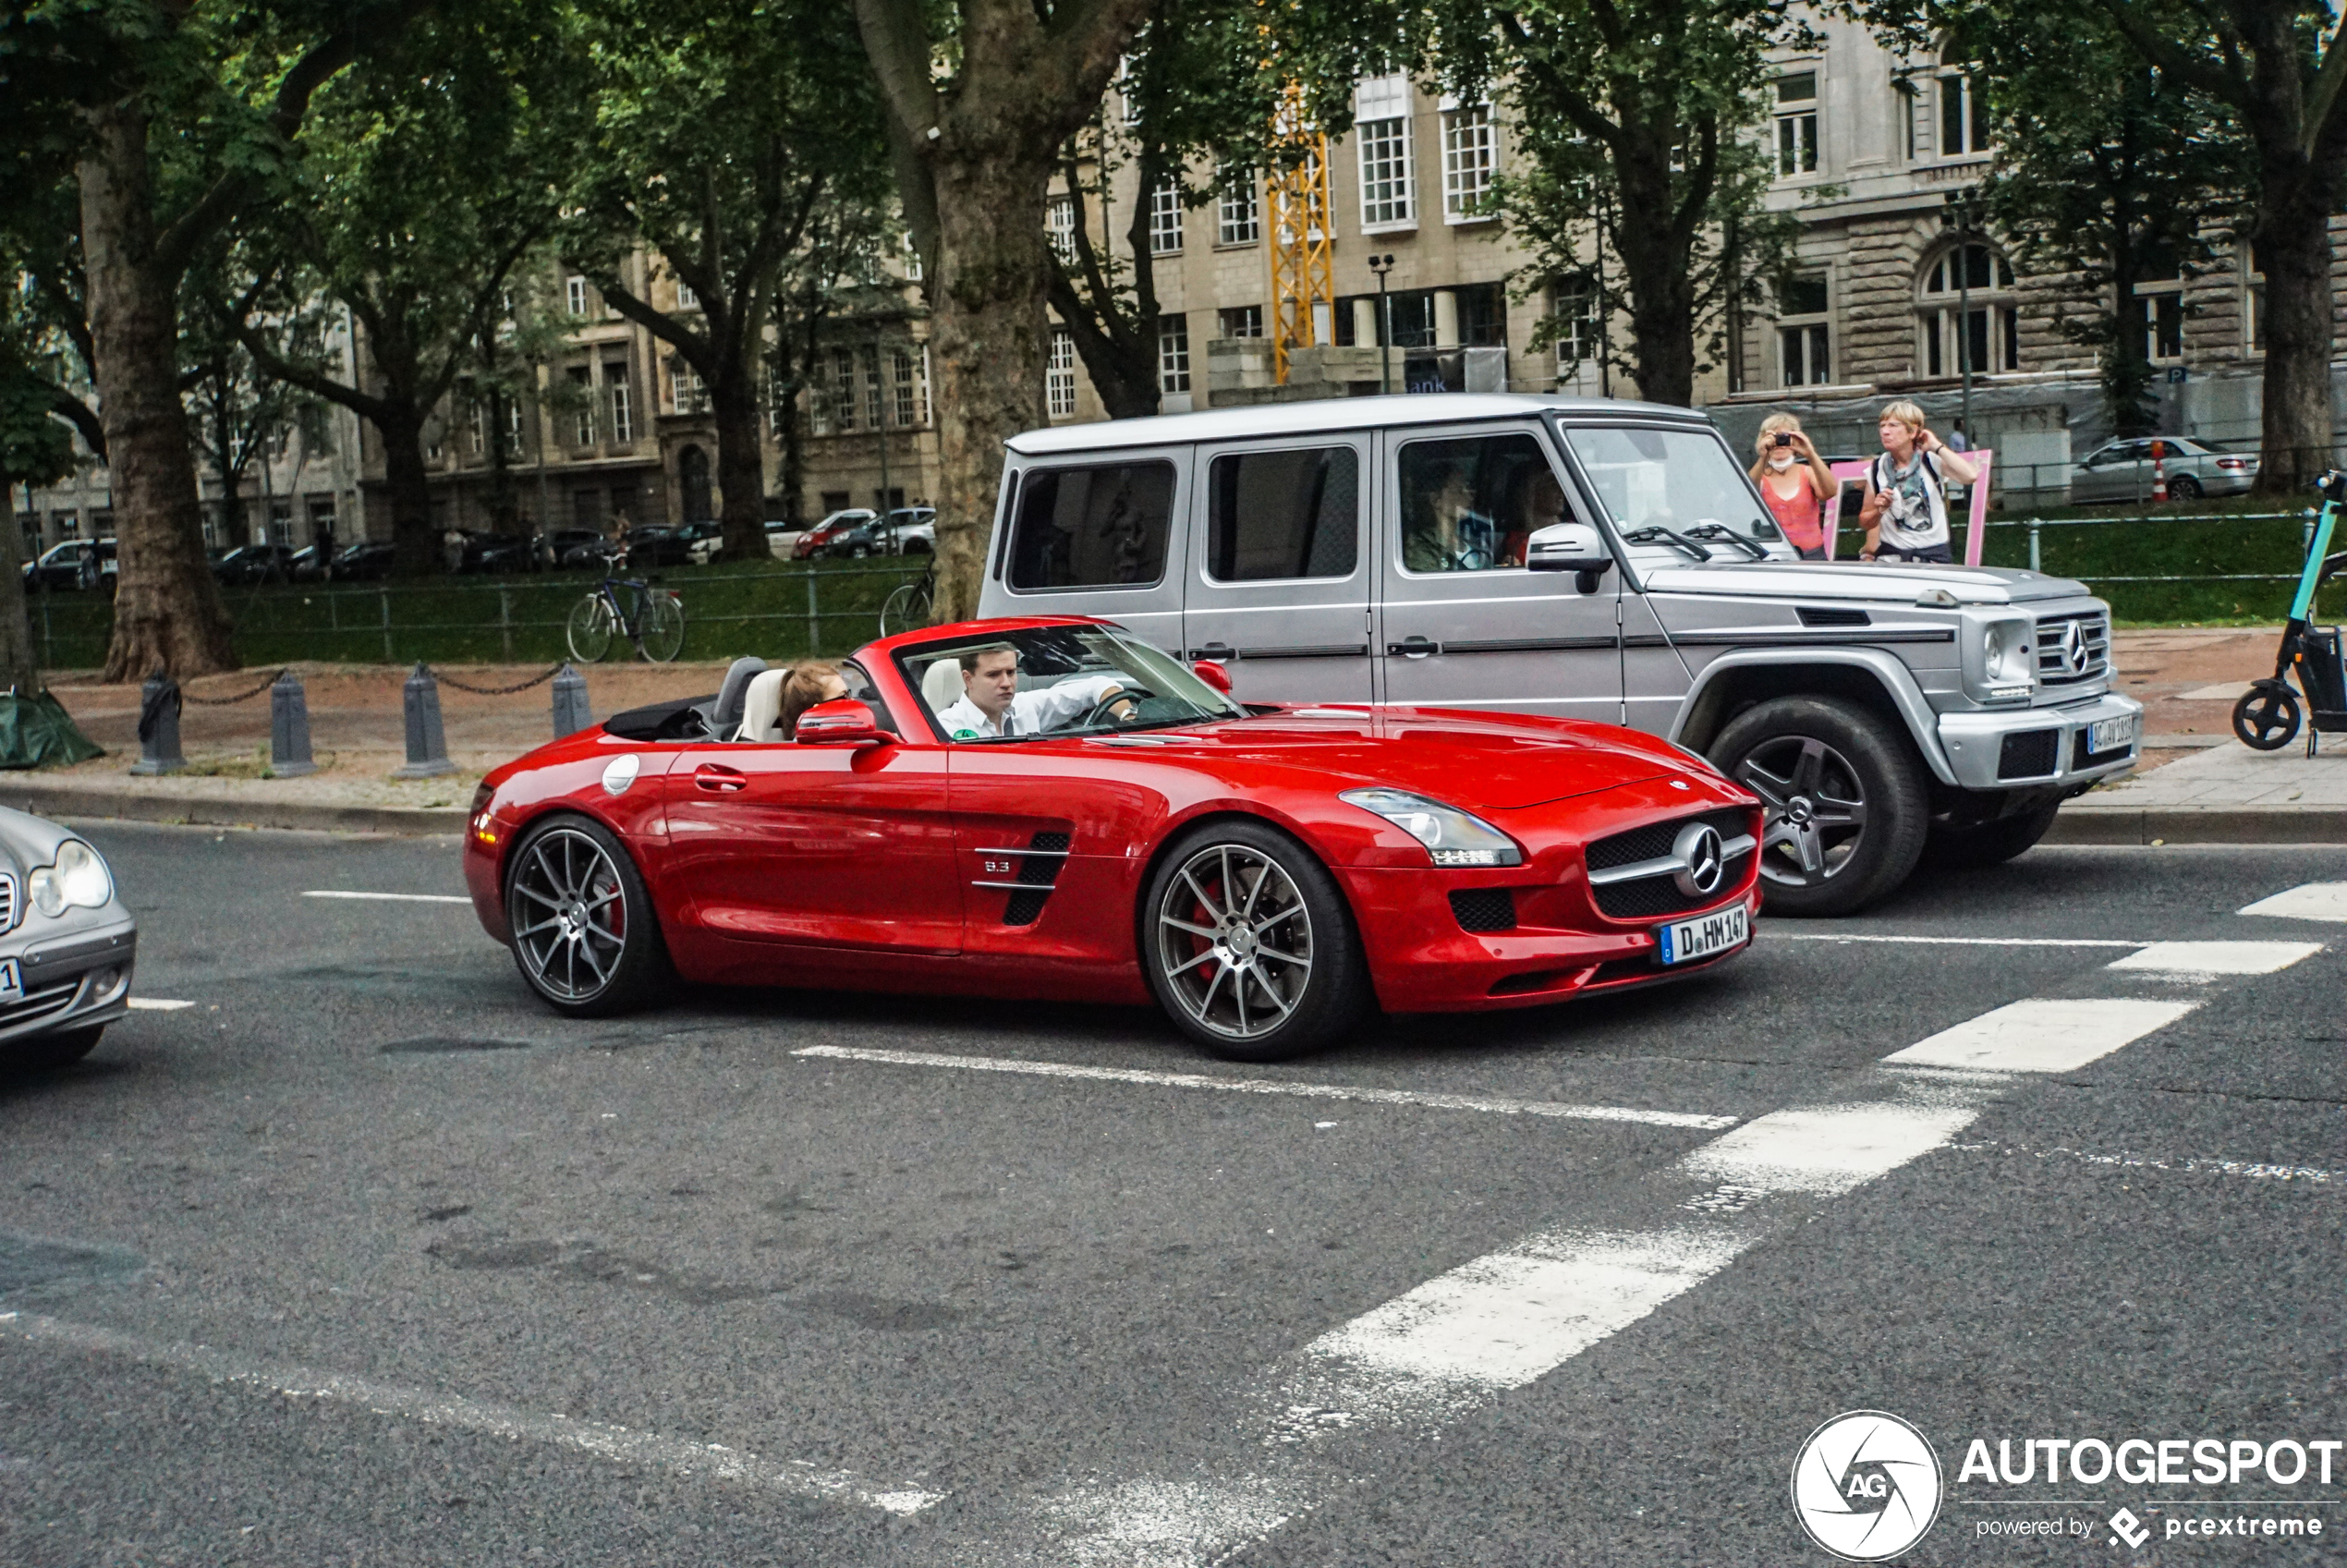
{"x": 1451, "y": 835}
{"x": 76, "y": 878}
{"x": 2007, "y": 667}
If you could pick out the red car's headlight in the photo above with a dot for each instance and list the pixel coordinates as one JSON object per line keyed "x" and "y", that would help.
{"x": 1451, "y": 836}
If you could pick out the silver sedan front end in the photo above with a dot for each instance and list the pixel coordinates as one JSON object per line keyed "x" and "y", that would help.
{"x": 66, "y": 942}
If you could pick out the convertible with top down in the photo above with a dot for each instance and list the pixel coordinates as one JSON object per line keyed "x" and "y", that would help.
{"x": 1122, "y": 830}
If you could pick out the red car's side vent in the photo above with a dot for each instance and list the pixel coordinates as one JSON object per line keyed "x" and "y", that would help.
{"x": 1037, "y": 871}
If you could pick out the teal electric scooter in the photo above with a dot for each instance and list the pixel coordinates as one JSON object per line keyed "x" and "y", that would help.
{"x": 2267, "y": 715}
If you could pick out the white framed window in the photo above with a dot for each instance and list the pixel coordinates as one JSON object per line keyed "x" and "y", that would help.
{"x": 842, "y": 390}
{"x": 1240, "y": 321}
{"x": 575, "y": 295}
{"x": 1575, "y": 304}
{"x": 685, "y": 298}
{"x": 1389, "y": 183}
{"x": 582, "y": 386}
{"x": 1986, "y": 336}
{"x": 1470, "y": 157}
{"x": 1238, "y": 213}
{"x": 513, "y": 427}
{"x": 623, "y": 410}
{"x": 478, "y": 423}
{"x": 2253, "y": 299}
{"x": 2159, "y": 313}
{"x": 431, "y": 440}
{"x": 1804, "y": 333}
{"x": 912, "y": 259}
{"x": 1173, "y": 352}
{"x": 1964, "y": 107}
{"x": 1128, "y": 103}
{"x": 1059, "y": 375}
{"x": 1165, "y": 216}
{"x": 1059, "y": 222}
{"x": 1796, "y": 120}
{"x": 924, "y": 383}
{"x": 686, "y": 392}
{"x": 903, "y": 390}
{"x": 875, "y": 400}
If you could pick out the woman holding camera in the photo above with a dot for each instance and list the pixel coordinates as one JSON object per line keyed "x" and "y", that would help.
{"x": 1795, "y": 483}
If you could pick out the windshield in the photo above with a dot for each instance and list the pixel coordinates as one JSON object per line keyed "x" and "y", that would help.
{"x": 1677, "y": 495}
{"x": 1035, "y": 683}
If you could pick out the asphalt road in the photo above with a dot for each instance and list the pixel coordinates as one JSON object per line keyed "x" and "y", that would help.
{"x": 363, "y": 1257}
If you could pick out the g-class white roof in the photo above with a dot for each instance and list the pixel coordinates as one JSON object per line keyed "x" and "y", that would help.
{"x": 1325, "y": 414}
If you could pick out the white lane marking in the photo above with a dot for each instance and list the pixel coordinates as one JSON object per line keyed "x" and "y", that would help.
{"x": 622, "y": 1444}
{"x": 1495, "y": 1104}
{"x": 2314, "y": 901}
{"x": 1826, "y": 1150}
{"x": 1775, "y": 935}
{"x": 2042, "y": 1036}
{"x": 156, "y": 1005}
{"x": 2207, "y": 960}
{"x": 1165, "y": 1524}
{"x": 392, "y": 897}
{"x": 1494, "y": 1323}
{"x": 2311, "y": 1175}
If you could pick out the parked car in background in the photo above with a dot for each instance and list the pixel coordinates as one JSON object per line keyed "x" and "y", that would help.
{"x": 2123, "y": 470}
{"x": 74, "y": 565}
{"x": 367, "y": 561}
{"x": 487, "y": 552}
{"x": 912, "y": 530}
{"x": 256, "y": 564}
{"x": 702, "y": 541}
{"x": 309, "y": 564}
{"x": 783, "y": 537}
{"x": 568, "y": 547}
{"x": 815, "y": 540}
{"x": 653, "y": 545}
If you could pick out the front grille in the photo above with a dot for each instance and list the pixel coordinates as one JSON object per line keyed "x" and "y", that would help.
{"x": 1659, "y": 894}
{"x": 1484, "y": 909}
{"x": 2029, "y": 755}
{"x": 2053, "y": 644}
{"x": 40, "y": 1001}
{"x": 8, "y": 910}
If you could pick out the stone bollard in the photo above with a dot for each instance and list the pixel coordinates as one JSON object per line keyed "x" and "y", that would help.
{"x": 289, "y": 728}
{"x": 427, "y": 742}
{"x": 571, "y": 713}
{"x": 159, "y": 727}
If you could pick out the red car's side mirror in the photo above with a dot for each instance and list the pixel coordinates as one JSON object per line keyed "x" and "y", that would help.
{"x": 842, "y": 722}
{"x": 1212, "y": 674}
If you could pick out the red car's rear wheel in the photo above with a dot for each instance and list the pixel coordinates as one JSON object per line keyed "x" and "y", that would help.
{"x": 1249, "y": 945}
{"x": 584, "y": 934}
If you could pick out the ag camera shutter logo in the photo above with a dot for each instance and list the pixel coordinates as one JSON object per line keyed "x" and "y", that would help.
{"x": 1867, "y": 1486}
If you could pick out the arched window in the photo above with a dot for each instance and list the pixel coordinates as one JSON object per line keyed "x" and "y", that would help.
{"x": 1972, "y": 285}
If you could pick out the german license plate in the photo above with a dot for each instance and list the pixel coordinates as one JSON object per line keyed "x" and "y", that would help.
{"x": 2111, "y": 735}
{"x": 1686, "y": 940}
{"x": 11, "y": 981}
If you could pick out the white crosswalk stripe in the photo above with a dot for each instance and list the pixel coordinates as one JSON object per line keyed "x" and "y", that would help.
{"x": 2207, "y": 960}
{"x": 2314, "y": 901}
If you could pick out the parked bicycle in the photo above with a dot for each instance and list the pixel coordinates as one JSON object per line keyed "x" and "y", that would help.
{"x": 650, "y": 617}
{"x": 913, "y": 605}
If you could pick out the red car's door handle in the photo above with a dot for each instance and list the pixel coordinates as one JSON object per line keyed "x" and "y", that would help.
{"x": 717, "y": 780}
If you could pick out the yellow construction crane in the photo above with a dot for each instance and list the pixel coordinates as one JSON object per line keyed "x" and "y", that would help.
{"x": 1302, "y": 276}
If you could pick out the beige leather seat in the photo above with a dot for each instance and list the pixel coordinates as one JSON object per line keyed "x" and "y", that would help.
{"x": 942, "y": 684}
{"x": 762, "y": 706}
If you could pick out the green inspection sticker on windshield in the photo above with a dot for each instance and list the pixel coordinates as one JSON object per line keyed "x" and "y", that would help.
{"x": 965, "y": 734}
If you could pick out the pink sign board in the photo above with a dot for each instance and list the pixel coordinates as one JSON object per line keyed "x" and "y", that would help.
{"x": 1975, "y": 533}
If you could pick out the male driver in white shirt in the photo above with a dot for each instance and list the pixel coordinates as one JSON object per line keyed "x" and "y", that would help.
{"x": 991, "y": 703}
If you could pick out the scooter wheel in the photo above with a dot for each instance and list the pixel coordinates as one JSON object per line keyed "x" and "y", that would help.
{"x": 2267, "y": 716}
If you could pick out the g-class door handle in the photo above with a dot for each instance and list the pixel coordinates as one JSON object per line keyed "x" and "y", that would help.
{"x": 1414, "y": 648}
{"x": 717, "y": 780}
{"x": 1218, "y": 650}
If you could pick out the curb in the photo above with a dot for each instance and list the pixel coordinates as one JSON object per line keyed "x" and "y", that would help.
{"x": 2208, "y": 824}
{"x": 71, "y": 800}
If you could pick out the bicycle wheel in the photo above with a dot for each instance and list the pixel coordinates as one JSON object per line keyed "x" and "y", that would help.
{"x": 590, "y": 629}
{"x": 661, "y": 635}
{"x": 905, "y": 610}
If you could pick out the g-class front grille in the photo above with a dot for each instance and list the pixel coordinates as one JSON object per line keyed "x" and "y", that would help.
{"x": 2068, "y": 656}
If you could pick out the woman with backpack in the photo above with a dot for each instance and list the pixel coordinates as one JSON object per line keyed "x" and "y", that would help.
{"x": 1906, "y": 502}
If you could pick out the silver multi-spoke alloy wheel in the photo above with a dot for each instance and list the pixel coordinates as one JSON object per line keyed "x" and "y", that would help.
{"x": 569, "y": 905}
{"x": 1235, "y": 941}
{"x": 1816, "y": 816}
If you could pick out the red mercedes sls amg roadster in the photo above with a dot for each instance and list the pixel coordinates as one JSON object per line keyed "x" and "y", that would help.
{"x": 1049, "y": 807}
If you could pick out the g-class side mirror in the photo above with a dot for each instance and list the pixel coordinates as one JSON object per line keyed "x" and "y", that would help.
{"x": 1569, "y": 547}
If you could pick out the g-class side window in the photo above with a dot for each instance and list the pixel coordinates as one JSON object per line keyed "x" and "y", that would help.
{"x": 1274, "y": 515}
{"x": 1102, "y": 525}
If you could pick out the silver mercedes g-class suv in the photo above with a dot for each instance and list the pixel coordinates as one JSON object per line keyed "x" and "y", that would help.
{"x": 1591, "y": 559}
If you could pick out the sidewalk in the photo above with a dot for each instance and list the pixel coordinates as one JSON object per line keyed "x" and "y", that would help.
{"x": 2195, "y": 783}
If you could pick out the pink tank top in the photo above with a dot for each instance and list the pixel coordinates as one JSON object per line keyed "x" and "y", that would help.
{"x": 1798, "y": 514}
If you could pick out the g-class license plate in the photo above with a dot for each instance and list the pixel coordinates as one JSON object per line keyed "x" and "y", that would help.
{"x": 1689, "y": 939}
{"x": 2111, "y": 735}
{"x": 11, "y": 981}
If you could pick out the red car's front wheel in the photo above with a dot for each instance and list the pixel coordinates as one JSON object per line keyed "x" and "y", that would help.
{"x": 585, "y": 936}
{"x": 1249, "y": 946}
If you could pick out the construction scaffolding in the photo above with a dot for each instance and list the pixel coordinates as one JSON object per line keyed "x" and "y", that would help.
{"x": 1303, "y": 279}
